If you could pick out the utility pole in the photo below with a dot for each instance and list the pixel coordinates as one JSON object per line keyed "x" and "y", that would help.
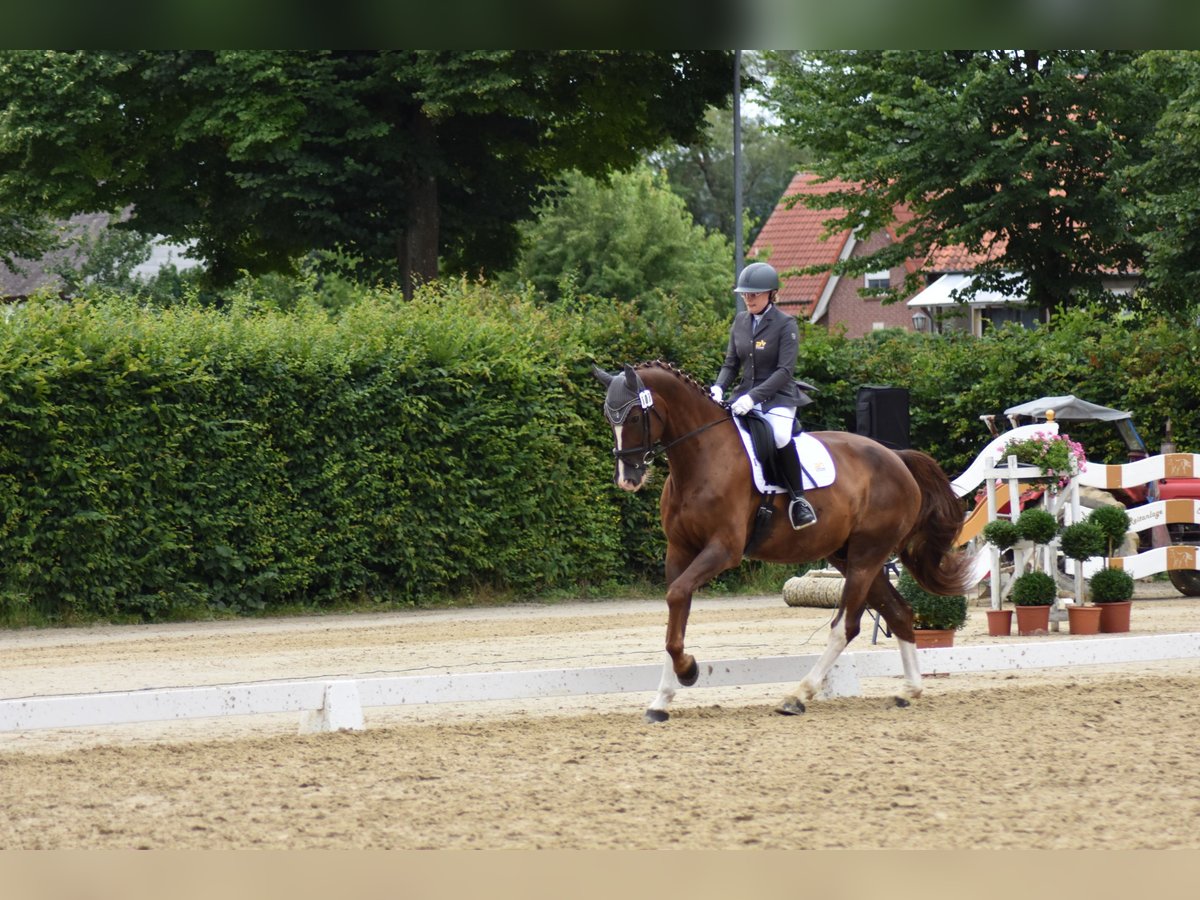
{"x": 738, "y": 254}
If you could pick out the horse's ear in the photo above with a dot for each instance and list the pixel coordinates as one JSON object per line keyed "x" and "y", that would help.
{"x": 631, "y": 379}
{"x": 602, "y": 376}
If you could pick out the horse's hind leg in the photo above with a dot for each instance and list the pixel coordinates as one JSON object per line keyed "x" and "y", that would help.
{"x": 898, "y": 614}
{"x": 880, "y": 595}
{"x": 843, "y": 630}
{"x": 667, "y": 686}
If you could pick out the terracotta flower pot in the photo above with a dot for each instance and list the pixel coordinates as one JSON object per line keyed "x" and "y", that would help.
{"x": 1114, "y": 616}
{"x": 999, "y": 622}
{"x": 1033, "y": 619}
{"x": 1084, "y": 619}
{"x": 933, "y": 637}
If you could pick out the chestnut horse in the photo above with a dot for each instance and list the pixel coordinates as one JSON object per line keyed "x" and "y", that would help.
{"x": 882, "y": 503}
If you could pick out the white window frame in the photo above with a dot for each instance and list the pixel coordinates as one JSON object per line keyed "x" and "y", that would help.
{"x": 884, "y": 275}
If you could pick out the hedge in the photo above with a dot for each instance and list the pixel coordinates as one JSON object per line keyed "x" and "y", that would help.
{"x": 155, "y": 462}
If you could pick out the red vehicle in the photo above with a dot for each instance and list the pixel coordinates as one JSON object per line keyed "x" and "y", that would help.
{"x": 1069, "y": 409}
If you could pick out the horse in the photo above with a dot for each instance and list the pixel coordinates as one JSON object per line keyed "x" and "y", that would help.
{"x": 882, "y": 503}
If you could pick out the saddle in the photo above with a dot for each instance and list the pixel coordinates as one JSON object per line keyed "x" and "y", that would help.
{"x": 762, "y": 439}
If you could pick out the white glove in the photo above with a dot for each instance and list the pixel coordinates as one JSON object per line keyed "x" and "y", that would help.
{"x": 741, "y": 405}
{"x": 717, "y": 392}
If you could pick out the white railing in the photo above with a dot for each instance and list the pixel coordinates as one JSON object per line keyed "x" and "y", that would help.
{"x": 338, "y": 705}
{"x": 1065, "y": 504}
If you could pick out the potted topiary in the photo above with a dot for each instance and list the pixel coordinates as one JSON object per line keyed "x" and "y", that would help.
{"x": 935, "y": 616}
{"x": 1037, "y": 525}
{"x": 1080, "y": 541}
{"x": 1003, "y": 535}
{"x": 1032, "y": 594}
{"x": 1113, "y": 522}
{"x": 1112, "y": 591}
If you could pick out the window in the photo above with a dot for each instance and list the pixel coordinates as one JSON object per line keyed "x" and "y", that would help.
{"x": 1018, "y": 313}
{"x": 880, "y": 279}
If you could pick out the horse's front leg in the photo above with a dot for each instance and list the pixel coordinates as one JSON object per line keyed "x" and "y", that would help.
{"x": 844, "y": 629}
{"x": 684, "y": 575}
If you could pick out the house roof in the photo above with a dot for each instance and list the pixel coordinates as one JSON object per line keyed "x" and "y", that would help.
{"x": 958, "y": 258}
{"x": 791, "y": 239}
{"x": 944, "y": 290}
{"x": 794, "y": 238}
{"x": 32, "y": 275}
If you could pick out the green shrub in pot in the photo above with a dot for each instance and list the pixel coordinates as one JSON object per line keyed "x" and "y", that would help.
{"x": 932, "y": 611}
{"x": 1033, "y": 589}
{"x": 1113, "y": 522}
{"x": 1082, "y": 540}
{"x": 1111, "y": 586}
{"x": 1037, "y": 525}
{"x": 1001, "y": 534}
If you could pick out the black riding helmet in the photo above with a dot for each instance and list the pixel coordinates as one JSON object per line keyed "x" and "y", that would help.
{"x": 756, "y": 278}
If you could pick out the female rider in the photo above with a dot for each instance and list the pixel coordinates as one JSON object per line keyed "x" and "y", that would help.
{"x": 763, "y": 343}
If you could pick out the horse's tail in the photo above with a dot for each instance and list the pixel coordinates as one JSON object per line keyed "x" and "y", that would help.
{"x": 929, "y": 551}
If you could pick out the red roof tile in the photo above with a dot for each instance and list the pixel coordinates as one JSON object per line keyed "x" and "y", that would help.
{"x": 957, "y": 258}
{"x": 791, "y": 239}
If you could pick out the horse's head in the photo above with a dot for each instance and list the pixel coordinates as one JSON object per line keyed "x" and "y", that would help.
{"x": 628, "y": 406}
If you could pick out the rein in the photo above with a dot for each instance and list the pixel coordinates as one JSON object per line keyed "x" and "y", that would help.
{"x": 650, "y": 450}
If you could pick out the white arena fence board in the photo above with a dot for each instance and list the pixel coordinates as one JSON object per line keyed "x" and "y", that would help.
{"x": 330, "y": 705}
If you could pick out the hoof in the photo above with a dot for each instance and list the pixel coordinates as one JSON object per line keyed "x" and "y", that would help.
{"x": 790, "y": 707}
{"x": 657, "y": 715}
{"x": 688, "y": 678}
{"x": 901, "y": 702}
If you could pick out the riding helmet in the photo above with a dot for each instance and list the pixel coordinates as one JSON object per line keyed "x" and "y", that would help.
{"x": 756, "y": 278}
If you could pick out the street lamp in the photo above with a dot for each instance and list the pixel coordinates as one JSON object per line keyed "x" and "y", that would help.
{"x": 921, "y": 321}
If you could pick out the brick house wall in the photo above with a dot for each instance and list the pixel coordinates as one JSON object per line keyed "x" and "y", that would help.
{"x": 862, "y": 315}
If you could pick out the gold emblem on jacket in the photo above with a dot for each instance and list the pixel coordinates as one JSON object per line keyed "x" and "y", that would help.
{"x": 760, "y": 345}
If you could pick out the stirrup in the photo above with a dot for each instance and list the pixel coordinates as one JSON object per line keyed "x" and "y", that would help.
{"x": 801, "y": 513}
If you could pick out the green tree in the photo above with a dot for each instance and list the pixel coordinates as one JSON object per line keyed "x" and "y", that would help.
{"x": 702, "y": 173}
{"x": 404, "y": 157}
{"x": 628, "y": 239}
{"x": 24, "y": 236}
{"x": 1164, "y": 192}
{"x": 1016, "y": 152}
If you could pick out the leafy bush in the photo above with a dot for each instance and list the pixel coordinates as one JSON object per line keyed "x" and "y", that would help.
{"x": 1082, "y": 540}
{"x": 1001, "y": 533}
{"x": 1111, "y": 586}
{"x": 160, "y": 461}
{"x": 1033, "y": 589}
{"x": 1037, "y": 525}
{"x": 932, "y": 611}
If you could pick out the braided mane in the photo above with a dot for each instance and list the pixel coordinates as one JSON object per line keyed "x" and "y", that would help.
{"x": 674, "y": 370}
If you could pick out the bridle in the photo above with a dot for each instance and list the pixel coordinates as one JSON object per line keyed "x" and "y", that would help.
{"x": 648, "y": 449}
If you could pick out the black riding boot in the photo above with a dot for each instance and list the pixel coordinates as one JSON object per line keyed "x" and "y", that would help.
{"x": 800, "y": 511}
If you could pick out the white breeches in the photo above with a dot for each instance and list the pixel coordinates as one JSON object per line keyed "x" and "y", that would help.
{"x": 782, "y": 419}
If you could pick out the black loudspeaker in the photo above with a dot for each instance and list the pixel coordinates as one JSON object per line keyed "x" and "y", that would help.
{"x": 882, "y": 414}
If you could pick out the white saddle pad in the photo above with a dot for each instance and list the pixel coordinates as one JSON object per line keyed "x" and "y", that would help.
{"x": 814, "y": 459}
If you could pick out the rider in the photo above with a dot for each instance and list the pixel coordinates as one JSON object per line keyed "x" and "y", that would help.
{"x": 763, "y": 343}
